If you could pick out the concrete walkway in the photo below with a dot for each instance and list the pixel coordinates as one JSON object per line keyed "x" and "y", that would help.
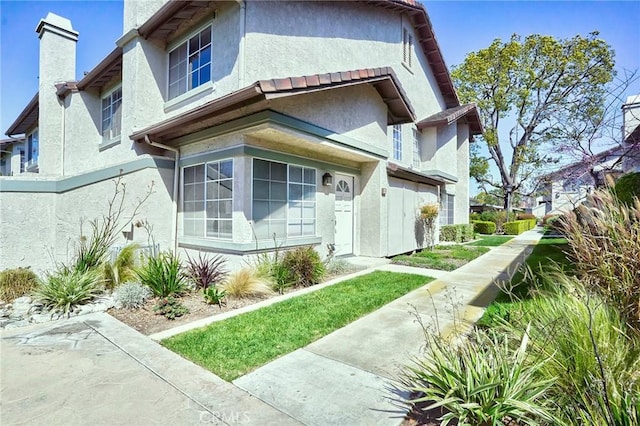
{"x": 95, "y": 370}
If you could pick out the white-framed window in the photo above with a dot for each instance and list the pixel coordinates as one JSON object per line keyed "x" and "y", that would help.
{"x": 416, "y": 148}
{"x": 407, "y": 47}
{"x": 112, "y": 115}
{"x": 23, "y": 160}
{"x": 397, "y": 142}
{"x": 33, "y": 148}
{"x": 283, "y": 200}
{"x": 207, "y": 200}
{"x": 190, "y": 63}
{"x": 447, "y": 204}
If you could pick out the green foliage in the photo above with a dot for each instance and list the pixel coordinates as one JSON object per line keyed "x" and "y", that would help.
{"x": 604, "y": 241}
{"x": 484, "y": 227}
{"x": 214, "y": 296}
{"x": 456, "y": 233}
{"x": 490, "y": 240}
{"x": 516, "y": 227}
{"x": 65, "y": 289}
{"x": 233, "y": 347}
{"x": 163, "y": 275}
{"x": 304, "y": 265}
{"x": 206, "y": 271}
{"x": 628, "y": 187}
{"x": 16, "y": 283}
{"x": 445, "y": 258}
{"x": 481, "y": 382}
{"x": 246, "y": 282}
{"x": 131, "y": 295}
{"x": 535, "y": 80}
{"x": 122, "y": 269}
{"x": 170, "y": 308}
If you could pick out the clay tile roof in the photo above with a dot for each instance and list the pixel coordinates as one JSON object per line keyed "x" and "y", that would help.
{"x": 451, "y": 115}
{"x": 27, "y": 118}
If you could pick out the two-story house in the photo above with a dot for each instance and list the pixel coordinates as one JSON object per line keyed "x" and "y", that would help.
{"x": 260, "y": 124}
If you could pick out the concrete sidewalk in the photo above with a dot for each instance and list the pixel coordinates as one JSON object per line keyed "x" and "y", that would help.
{"x": 95, "y": 370}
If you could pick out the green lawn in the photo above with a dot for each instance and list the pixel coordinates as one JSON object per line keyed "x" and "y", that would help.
{"x": 491, "y": 240}
{"x": 446, "y": 258}
{"x": 546, "y": 251}
{"x": 236, "y": 346}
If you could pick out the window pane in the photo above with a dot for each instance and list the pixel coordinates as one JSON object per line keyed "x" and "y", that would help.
{"x": 199, "y": 173}
{"x": 260, "y": 210}
{"x": 279, "y": 228}
{"x": 261, "y": 230}
{"x": 261, "y": 169}
{"x": 295, "y": 212}
{"x": 212, "y": 228}
{"x": 278, "y": 191}
{"x": 279, "y": 172}
{"x": 205, "y": 36}
{"x": 212, "y": 209}
{"x": 205, "y": 56}
{"x": 198, "y": 192}
{"x": 225, "y": 188}
{"x": 205, "y": 74}
{"x": 277, "y": 210}
{"x": 309, "y": 193}
{"x": 310, "y": 176}
{"x": 194, "y": 44}
{"x": 225, "y": 209}
{"x": 261, "y": 189}
{"x": 225, "y": 229}
{"x": 226, "y": 169}
{"x": 198, "y": 228}
{"x": 295, "y": 174}
{"x": 309, "y": 211}
{"x": 189, "y": 175}
{"x": 188, "y": 228}
{"x": 189, "y": 193}
{"x": 212, "y": 190}
{"x": 212, "y": 171}
{"x": 308, "y": 228}
{"x": 295, "y": 192}
{"x": 294, "y": 230}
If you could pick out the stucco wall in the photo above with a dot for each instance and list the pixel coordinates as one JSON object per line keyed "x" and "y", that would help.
{"x": 39, "y": 229}
{"x": 461, "y": 208}
{"x": 446, "y": 151}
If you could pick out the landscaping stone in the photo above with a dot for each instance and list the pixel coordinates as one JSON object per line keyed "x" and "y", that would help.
{"x": 24, "y": 311}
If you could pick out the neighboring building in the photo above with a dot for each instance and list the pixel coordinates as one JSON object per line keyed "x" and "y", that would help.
{"x": 12, "y": 156}
{"x": 254, "y": 131}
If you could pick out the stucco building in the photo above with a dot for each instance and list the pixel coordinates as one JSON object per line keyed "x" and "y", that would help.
{"x": 259, "y": 123}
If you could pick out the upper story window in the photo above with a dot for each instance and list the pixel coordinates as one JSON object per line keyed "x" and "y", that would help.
{"x": 112, "y": 115}
{"x": 190, "y": 64}
{"x": 407, "y": 47}
{"x": 397, "y": 142}
{"x": 33, "y": 149}
{"x": 416, "y": 148}
{"x": 284, "y": 200}
{"x": 207, "y": 200}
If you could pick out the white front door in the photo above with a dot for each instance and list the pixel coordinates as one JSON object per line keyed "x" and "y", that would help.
{"x": 344, "y": 215}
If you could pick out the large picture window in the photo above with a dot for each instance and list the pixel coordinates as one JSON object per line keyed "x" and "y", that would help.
{"x": 284, "y": 200}
{"x": 112, "y": 115}
{"x": 190, "y": 64}
{"x": 207, "y": 200}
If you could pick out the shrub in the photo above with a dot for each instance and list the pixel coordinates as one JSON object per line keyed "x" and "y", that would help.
{"x": 546, "y": 218}
{"x": 122, "y": 269}
{"x": 339, "y": 267}
{"x": 244, "y": 283}
{"x": 16, "y": 283}
{"x": 67, "y": 288}
{"x": 131, "y": 295}
{"x": 483, "y": 382}
{"x": 170, "y": 308}
{"x": 456, "y": 233}
{"x": 163, "y": 275}
{"x": 628, "y": 187}
{"x": 484, "y": 227}
{"x": 214, "y": 296}
{"x": 206, "y": 272}
{"x": 304, "y": 266}
{"x": 525, "y": 216}
{"x": 604, "y": 244}
{"x": 516, "y": 227}
{"x": 429, "y": 211}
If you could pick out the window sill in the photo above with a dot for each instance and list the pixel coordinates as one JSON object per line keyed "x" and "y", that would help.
{"x": 189, "y": 96}
{"x": 231, "y": 247}
{"x": 108, "y": 144}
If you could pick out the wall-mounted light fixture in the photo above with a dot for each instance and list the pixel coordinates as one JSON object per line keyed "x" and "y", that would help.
{"x": 327, "y": 179}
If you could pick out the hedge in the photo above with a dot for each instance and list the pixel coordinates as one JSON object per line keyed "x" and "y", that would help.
{"x": 516, "y": 227}
{"x": 628, "y": 187}
{"x": 484, "y": 227}
{"x": 456, "y": 233}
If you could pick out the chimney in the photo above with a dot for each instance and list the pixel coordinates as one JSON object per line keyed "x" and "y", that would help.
{"x": 57, "y": 64}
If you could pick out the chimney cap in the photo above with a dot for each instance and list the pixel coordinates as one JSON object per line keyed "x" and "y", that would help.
{"x": 57, "y": 24}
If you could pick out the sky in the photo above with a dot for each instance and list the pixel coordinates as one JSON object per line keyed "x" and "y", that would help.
{"x": 461, "y": 27}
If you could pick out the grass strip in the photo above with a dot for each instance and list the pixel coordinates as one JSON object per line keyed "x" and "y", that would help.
{"x": 238, "y": 345}
{"x": 441, "y": 257}
{"x": 547, "y": 250}
{"x": 491, "y": 240}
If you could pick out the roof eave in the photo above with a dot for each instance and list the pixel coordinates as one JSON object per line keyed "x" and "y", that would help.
{"x": 21, "y": 125}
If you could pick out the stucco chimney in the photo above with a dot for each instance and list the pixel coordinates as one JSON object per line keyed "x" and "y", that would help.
{"x": 57, "y": 64}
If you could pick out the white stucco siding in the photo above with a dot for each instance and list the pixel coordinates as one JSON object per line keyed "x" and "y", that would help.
{"x": 461, "y": 208}
{"x": 357, "y": 112}
{"x": 446, "y": 151}
{"x": 83, "y": 115}
{"x": 40, "y": 229}
{"x": 371, "y": 210}
{"x": 137, "y": 12}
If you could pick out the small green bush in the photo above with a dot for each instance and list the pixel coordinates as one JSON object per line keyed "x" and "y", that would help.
{"x": 170, "y": 308}
{"x": 163, "y": 275}
{"x": 131, "y": 295}
{"x": 16, "y": 283}
{"x": 214, "y": 296}
{"x": 516, "y": 227}
{"x": 628, "y": 187}
{"x": 457, "y": 233}
{"x": 304, "y": 265}
{"x": 67, "y": 288}
{"x": 484, "y": 227}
